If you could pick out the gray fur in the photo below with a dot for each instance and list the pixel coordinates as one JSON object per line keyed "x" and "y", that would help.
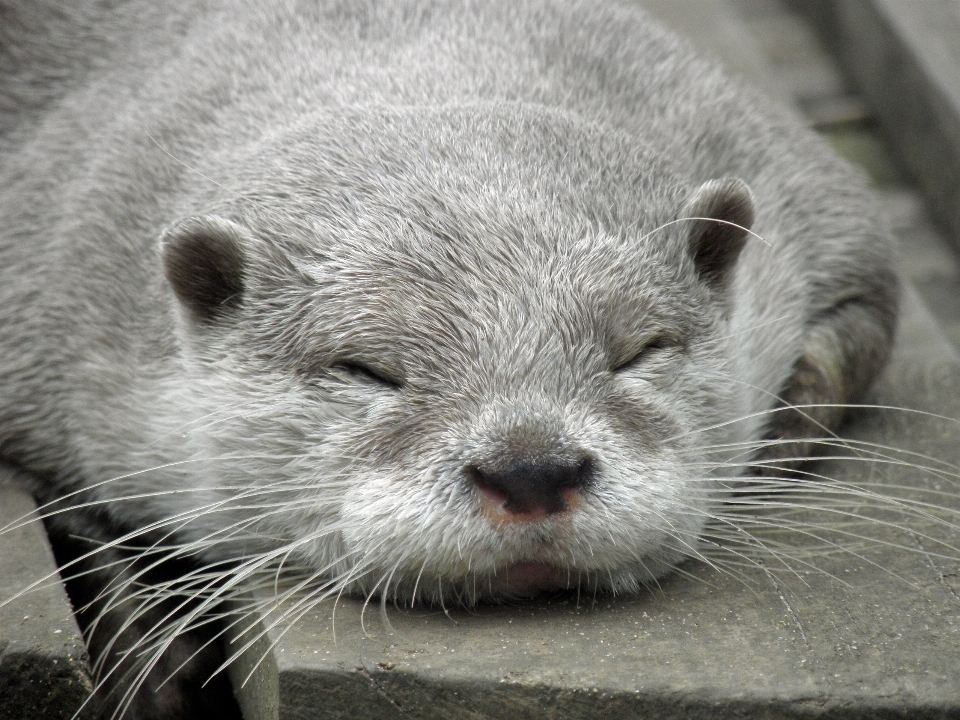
{"x": 461, "y": 240}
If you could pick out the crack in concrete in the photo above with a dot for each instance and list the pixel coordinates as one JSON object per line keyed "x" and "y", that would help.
{"x": 786, "y": 603}
{"x": 816, "y": 664}
{"x": 941, "y": 578}
{"x": 937, "y": 570}
{"x": 389, "y": 698}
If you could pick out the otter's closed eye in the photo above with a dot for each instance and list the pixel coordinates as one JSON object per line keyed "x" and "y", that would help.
{"x": 650, "y": 348}
{"x": 365, "y": 373}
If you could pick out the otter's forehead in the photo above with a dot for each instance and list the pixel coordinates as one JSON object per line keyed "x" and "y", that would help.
{"x": 425, "y": 300}
{"x": 504, "y": 167}
{"x": 484, "y": 237}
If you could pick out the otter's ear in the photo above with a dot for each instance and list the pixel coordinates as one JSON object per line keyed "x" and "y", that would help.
{"x": 724, "y": 211}
{"x": 204, "y": 262}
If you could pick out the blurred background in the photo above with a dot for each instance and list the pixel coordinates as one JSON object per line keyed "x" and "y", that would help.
{"x": 880, "y": 80}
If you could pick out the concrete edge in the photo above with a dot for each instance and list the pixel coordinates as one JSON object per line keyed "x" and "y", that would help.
{"x": 253, "y": 672}
{"x": 44, "y": 670}
{"x": 905, "y": 58}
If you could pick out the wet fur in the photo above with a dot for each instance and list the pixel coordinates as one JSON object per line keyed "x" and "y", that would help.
{"x": 211, "y": 212}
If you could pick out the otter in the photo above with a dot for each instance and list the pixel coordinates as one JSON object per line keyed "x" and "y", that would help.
{"x": 438, "y": 300}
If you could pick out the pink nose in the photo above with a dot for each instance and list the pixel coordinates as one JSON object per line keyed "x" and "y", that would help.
{"x": 532, "y": 489}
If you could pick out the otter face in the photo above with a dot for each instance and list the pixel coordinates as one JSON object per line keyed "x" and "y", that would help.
{"x": 467, "y": 388}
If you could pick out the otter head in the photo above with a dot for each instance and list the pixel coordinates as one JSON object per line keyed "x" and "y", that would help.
{"x": 460, "y": 354}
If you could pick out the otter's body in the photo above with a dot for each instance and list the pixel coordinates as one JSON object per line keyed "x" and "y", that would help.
{"x": 439, "y": 299}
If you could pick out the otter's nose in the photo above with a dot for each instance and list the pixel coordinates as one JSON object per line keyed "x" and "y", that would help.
{"x": 533, "y": 489}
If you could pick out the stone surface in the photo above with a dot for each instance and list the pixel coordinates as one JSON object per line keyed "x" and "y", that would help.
{"x": 927, "y": 260}
{"x": 793, "y": 56}
{"x": 43, "y": 662}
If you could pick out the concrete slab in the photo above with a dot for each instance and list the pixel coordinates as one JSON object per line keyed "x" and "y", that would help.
{"x": 794, "y": 57}
{"x": 43, "y": 662}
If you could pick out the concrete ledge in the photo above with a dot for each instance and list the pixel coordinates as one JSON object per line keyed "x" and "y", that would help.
{"x": 905, "y": 58}
{"x": 43, "y": 661}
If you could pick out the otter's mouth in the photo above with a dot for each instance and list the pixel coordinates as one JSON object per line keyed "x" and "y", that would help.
{"x": 527, "y": 579}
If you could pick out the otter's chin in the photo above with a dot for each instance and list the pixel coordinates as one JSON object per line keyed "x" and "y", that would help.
{"x": 527, "y": 579}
